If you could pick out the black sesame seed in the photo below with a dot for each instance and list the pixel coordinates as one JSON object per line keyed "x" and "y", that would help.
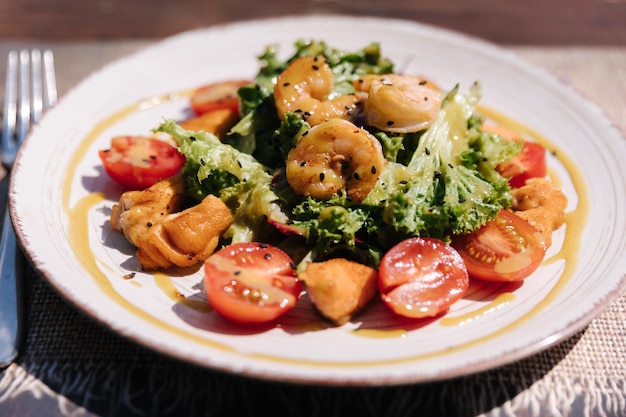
{"x": 267, "y": 256}
{"x": 322, "y": 176}
{"x": 286, "y": 84}
{"x": 357, "y": 176}
{"x": 373, "y": 169}
{"x": 303, "y": 163}
{"x": 262, "y": 245}
{"x": 390, "y": 123}
{"x": 427, "y": 151}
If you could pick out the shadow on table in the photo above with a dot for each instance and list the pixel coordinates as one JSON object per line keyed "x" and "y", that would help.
{"x": 109, "y": 375}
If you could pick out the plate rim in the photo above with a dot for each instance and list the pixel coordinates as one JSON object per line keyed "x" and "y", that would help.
{"x": 506, "y": 358}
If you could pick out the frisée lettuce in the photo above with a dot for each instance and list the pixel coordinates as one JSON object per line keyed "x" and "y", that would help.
{"x": 437, "y": 182}
{"x": 235, "y": 177}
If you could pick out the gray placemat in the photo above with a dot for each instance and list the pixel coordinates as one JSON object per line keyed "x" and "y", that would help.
{"x": 82, "y": 367}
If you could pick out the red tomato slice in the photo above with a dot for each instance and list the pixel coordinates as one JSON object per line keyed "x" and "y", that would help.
{"x": 251, "y": 282}
{"x": 138, "y": 162}
{"x": 531, "y": 162}
{"x": 222, "y": 95}
{"x": 507, "y": 248}
{"x": 421, "y": 277}
{"x": 287, "y": 229}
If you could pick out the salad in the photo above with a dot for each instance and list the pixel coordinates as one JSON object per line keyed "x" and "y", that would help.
{"x": 330, "y": 174}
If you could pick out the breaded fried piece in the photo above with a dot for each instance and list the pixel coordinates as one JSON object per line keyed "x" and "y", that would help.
{"x": 138, "y": 211}
{"x": 339, "y": 288}
{"x": 164, "y": 236}
{"x": 185, "y": 238}
{"x": 542, "y": 205}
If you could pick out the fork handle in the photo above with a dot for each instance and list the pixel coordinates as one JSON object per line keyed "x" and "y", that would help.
{"x": 11, "y": 294}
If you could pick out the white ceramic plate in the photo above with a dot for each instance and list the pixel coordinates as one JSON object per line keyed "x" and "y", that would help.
{"x": 61, "y": 201}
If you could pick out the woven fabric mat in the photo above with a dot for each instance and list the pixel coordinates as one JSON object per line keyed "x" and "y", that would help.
{"x": 73, "y": 366}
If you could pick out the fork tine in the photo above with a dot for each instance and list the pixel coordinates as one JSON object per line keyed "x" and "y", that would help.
{"x": 23, "y": 114}
{"x": 49, "y": 82}
{"x": 36, "y": 93}
{"x": 10, "y": 109}
{"x": 30, "y": 89}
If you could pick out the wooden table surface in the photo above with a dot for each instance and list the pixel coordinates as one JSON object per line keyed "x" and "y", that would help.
{"x": 537, "y": 22}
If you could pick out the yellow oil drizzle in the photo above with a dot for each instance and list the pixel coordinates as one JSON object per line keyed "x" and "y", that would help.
{"x": 575, "y": 220}
{"x": 555, "y": 178}
{"x": 380, "y": 333}
{"x": 164, "y": 283}
{"x": 77, "y": 216}
{"x": 500, "y": 301}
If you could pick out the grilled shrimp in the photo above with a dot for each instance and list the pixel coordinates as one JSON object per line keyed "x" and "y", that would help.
{"x": 399, "y": 103}
{"x": 304, "y": 88}
{"x": 334, "y": 155}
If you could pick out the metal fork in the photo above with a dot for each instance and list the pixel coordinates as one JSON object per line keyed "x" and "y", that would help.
{"x": 30, "y": 89}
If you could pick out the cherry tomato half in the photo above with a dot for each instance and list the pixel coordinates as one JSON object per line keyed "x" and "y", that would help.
{"x": 138, "y": 162}
{"x": 531, "y": 162}
{"x": 507, "y": 248}
{"x": 421, "y": 277}
{"x": 251, "y": 282}
{"x": 221, "y": 95}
